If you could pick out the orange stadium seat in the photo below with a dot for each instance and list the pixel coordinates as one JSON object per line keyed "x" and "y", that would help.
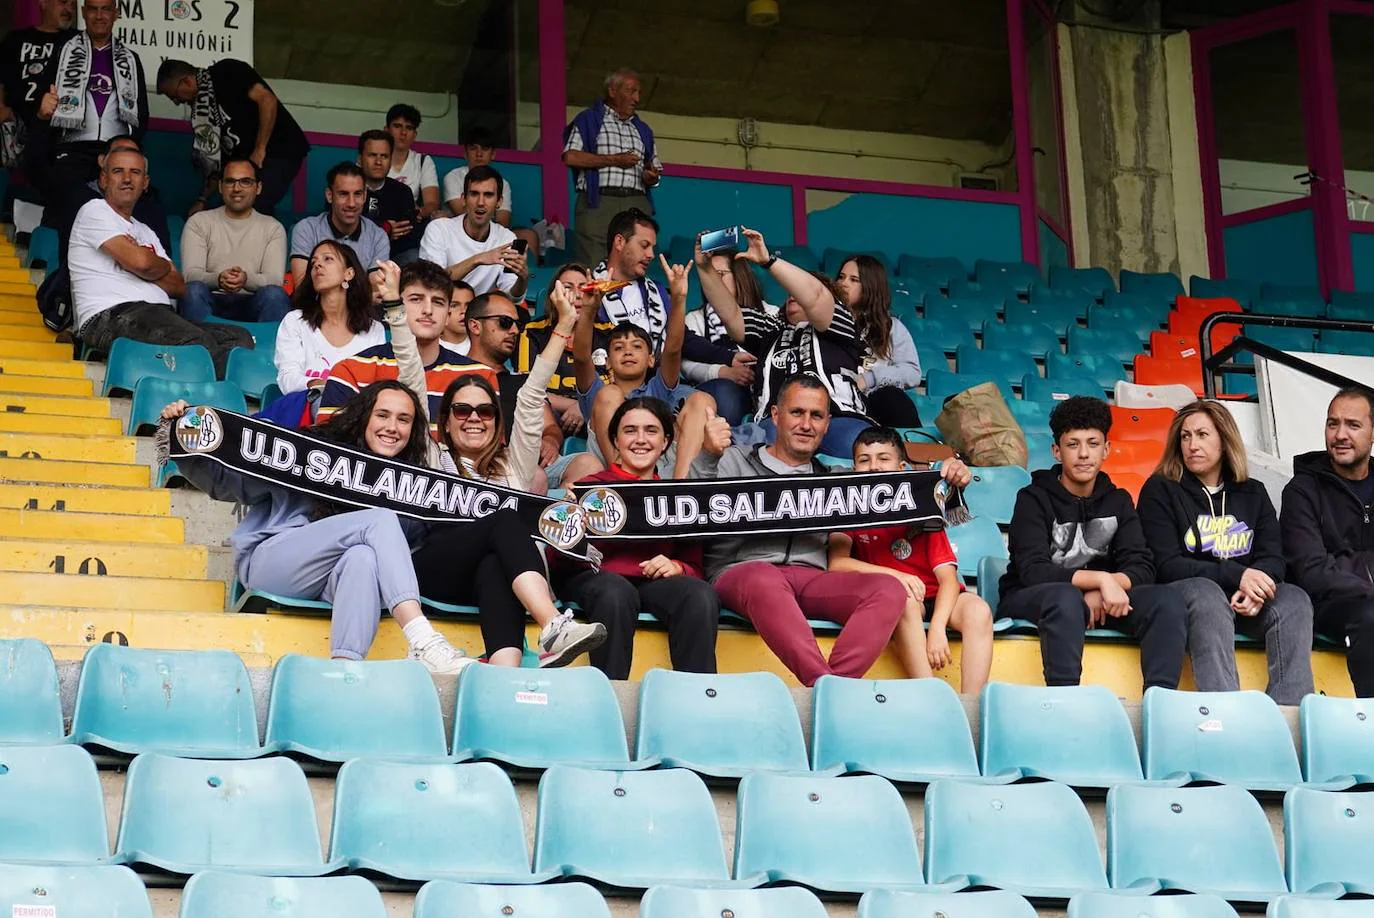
{"x": 1132, "y": 457}
{"x": 1188, "y": 313}
{"x": 1161, "y": 371}
{"x": 1141, "y": 423}
{"x": 1130, "y": 482}
{"x": 1168, "y": 344}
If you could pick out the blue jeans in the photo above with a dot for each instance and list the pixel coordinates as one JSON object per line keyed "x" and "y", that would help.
{"x": 733, "y": 401}
{"x": 838, "y": 440}
{"x": 266, "y": 304}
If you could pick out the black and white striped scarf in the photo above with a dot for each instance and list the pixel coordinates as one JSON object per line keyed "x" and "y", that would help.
{"x": 74, "y": 72}
{"x": 207, "y": 126}
{"x": 650, "y": 313}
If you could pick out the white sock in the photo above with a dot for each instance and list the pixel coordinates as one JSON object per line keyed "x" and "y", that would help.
{"x": 418, "y": 630}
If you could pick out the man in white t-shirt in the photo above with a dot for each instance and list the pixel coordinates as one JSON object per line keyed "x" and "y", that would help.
{"x": 122, "y": 279}
{"x": 414, "y": 170}
{"x": 474, "y": 248}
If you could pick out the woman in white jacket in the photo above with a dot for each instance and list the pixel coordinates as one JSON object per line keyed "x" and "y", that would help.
{"x": 331, "y": 318}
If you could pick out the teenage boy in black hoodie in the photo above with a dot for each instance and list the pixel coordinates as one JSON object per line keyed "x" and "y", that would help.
{"x": 1079, "y": 558}
{"x": 1327, "y": 535}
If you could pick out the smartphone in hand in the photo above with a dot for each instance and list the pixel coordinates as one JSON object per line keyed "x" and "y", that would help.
{"x": 724, "y": 241}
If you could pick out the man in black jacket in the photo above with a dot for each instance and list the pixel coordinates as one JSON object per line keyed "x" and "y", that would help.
{"x": 1079, "y": 558}
{"x": 1327, "y": 536}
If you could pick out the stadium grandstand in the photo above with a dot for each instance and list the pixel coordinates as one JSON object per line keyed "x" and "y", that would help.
{"x": 716, "y": 459}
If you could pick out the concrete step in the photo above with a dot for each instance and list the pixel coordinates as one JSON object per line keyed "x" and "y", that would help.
{"x": 149, "y": 593}
{"x": 117, "y": 559}
{"x": 30, "y": 423}
{"x": 20, "y": 384}
{"x": 71, "y": 406}
{"x": 52, "y": 471}
{"x": 93, "y": 527}
{"x": 63, "y": 367}
{"x": 85, "y": 499}
{"x": 25, "y": 331}
{"x": 71, "y": 448}
{"x": 35, "y": 350}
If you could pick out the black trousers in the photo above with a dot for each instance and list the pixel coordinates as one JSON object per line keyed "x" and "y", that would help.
{"x": 688, "y": 606}
{"x": 1158, "y": 619}
{"x": 475, "y": 564}
{"x": 1352, "y": 620}
{"x": 890, "y": 407}
{"x": 277, "y": 176}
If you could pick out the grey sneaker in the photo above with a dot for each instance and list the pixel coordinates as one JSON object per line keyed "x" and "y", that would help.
{"x": 440, "y": 657}
{"x": 564, "y": 640}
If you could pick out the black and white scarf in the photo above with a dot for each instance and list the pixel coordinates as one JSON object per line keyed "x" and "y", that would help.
{"x": 651, "y": 314}
{"x": 207, "y": 126}
{"x": 74, "y": 73}
{"x": 694, "y": 509}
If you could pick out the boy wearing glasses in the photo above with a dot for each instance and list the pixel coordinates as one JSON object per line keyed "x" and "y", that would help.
{"x": 232, "y": 256}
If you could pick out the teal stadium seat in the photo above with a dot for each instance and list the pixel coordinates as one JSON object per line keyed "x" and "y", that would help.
{"x": 534, "y": 719}
{"x": 413, "y": 821}
{"x": 908, "y": 730}
{"x": 1213, "y": 840}
{"x": 629, "y": 829}
{"x": 1243, "y": 292}
{"x": 1077, "y": 735}
{"x": 264, "y": 333}
{"x": 989, "y": 903}
{"x": 721, "y": 725}
{"x": 679, "y": 902}
{"x": 130, "y": 360}
{"x": 1132, "y": 905}
{"x": 1337, "y": 740}
{"x": 946, "y": 334}
{"x": 191, "y": 703}
{"x": 1345, "y": 305}
{"x": 990, "y": 571}
{"x": 336, "y": 710}
{"x": 1104, "y": 369}
{"x": 835, "y": 835}
{"x": 1060, "y": 314}
{"x": 1038, "y": 450}
{"x": 1157, "y": 285}
{"x": 1034, "y": 338}
{"x": 1007, "y": 367}
{"x": 1139, "y": 321}
{"x": 927, "y": 407}
{"x": 443, "y": 899}
{"x": 1299, "y": 308}
{"x": 1021, "y": 276}
{"x": 992, "y": 492}
{"x": 30, "y": 703}
{"x": 1285, "y": 339}
{"x": 907, "y": 300}
{"x": 72, "y": 892}
{"x": 932, "y": 357}
{"x": 52, "y": 809}
{"x": 227, "y": 895}
{"x": 185, "y": 816}
{"x": 251, "y": 370}
{"x": 942, "y": 384}
{"x": 1033, "y": 839}
{"x": 1033, "y": 416}
{"x": 970, "y": 309}
{"x": 43, "y": 249}
{"x": 977, "y": 539}
{"x": 1157, "y": 308}
{"x": 1122, "y": 344}
{"x": 1309, "y": 295}
{"x": 1319, "y": 907}
{"x": 1328, "y": 841}
{"x": 1095, "y": 281}
{"x": 1237, "y": 738}
{"x": 937, "y": 272}
{"x": 1355, "y": 343}
{"x": 152, "y": 394}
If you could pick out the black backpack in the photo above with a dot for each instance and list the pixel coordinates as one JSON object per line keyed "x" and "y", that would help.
{"x": 55, "y": 300}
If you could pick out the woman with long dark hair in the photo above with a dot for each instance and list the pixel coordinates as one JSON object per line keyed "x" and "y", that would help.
{"x": 331, "y": 318}
{"x": 731, "y": 386}
{"x": 296, "y": 545}
{"x": 891, "y": 364}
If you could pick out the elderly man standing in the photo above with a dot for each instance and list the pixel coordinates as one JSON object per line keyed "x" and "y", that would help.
{"x": 611, "y": 152}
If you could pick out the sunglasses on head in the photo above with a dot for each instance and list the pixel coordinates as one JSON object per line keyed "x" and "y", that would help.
{"x": 462, "y": 410}
{"x": 505, "y": 323}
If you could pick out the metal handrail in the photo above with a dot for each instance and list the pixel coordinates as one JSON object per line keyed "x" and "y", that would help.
{"x": 1214, "y": 364}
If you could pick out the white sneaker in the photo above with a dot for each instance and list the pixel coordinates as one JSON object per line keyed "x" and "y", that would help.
{"x": 440, "y": 657}
{"x": 564, "y": 640}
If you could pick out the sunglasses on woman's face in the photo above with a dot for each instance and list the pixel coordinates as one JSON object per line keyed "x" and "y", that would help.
{"x": 462, "y": 411}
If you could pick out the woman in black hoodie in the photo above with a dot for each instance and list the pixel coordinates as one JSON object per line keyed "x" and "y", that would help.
{"x": 1215, "y": 537}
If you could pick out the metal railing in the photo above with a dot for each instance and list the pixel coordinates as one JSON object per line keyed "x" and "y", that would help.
{"x": 1214, "y": 364}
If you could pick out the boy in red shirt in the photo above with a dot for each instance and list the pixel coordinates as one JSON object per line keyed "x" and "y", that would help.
{"x": 925, "y": 565}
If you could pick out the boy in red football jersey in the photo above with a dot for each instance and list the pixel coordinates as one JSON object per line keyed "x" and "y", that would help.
{"x": 925, "y": 565}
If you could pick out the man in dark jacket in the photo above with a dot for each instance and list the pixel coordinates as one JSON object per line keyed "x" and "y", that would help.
{"x": 1079, "y": 558}
{"x": 1327, "y": 536}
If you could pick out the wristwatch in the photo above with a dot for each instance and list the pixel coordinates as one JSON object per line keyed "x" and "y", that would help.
{"x": 772, "y": 260}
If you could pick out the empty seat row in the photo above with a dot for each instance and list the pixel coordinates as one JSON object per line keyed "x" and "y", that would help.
{"x": 200, "y": 704}
{"x": 417, "y": 822}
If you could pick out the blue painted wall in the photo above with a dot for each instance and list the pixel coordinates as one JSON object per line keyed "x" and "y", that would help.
{"x": 897, "y": 225}
{"x": 1362, "y": 253}
{"x": 1281, "y": 250}
{"x": 1054, "y": 252}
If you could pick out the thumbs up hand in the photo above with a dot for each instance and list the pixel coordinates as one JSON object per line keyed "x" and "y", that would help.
{"x": 717, "y": 436}
{"x": 48, "y": 104}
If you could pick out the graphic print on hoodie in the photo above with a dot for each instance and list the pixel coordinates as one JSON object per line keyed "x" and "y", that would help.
{"x": 1076, "y": 544}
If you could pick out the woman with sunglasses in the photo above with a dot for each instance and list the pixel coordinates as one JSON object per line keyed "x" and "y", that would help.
{"x": 358, "y": 561}
{"x": 493, "y": 562}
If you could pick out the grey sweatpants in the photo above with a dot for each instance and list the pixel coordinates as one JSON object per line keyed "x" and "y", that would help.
{"x": 359, "y": 562}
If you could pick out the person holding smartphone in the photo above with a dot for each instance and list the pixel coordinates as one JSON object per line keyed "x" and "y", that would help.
{"x": 475, "y": 248}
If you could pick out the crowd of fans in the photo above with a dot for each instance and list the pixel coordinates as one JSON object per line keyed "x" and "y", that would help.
{"x": 409, "y": 334}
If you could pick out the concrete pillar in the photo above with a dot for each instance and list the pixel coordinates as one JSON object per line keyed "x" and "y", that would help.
{"x": 1136, "y": 197}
